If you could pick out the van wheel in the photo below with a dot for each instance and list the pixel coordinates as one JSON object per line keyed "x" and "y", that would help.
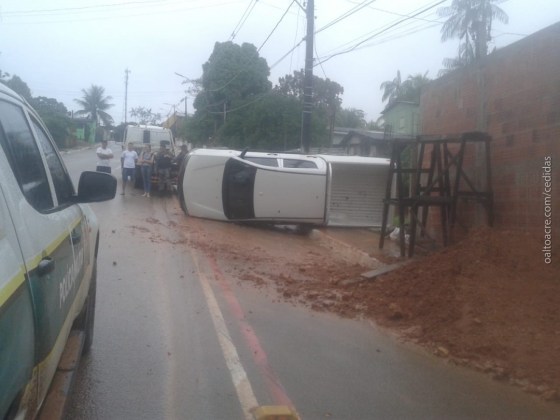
{"x": 85, "y": 321}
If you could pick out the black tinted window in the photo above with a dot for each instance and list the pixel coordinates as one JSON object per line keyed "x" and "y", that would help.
{"x": 62, "y": 183}
{"x": 263, "y": 161}
{"x": 24, "y": 156}
{"x": 298, "y": 163}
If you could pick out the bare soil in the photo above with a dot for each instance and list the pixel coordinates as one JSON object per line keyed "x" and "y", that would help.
{"x": 489, "y": 302}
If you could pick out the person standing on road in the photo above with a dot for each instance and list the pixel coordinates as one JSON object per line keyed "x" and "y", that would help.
{"x": 178, "y": 160}
{"x": 128, "y": 160}
{"x": 146, "y": 162}
{"x": 104, "y": 156}
{"x": 163, "y": 164}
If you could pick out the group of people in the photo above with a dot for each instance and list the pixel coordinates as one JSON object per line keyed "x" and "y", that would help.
{"x": 163, "y": 160}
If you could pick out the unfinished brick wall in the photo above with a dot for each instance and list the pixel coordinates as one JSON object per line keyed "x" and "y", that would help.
{"x": 514, "y": 95}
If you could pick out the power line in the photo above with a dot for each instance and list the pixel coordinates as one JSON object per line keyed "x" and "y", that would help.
{"x": 381, "y": 32}
{"x": 276, "y": 26}
{"x": 108, "y": 11}
{"x": 344, "y": 16}
{"x": 243, "y": 19}
{"x": 397, "y": 30}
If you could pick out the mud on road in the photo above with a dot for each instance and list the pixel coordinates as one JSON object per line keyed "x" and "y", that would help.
{"x": 489, "y": 302}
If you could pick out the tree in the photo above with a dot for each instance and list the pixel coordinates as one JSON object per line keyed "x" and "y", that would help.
{"x": 326, "y": 96}
{"x": 350, "y": 118}
{"x": 48, "y": 106}
{"x": 233, "y": 77}
{"x": 232, "y": 74}
{"x": 471, "y": 22}
{"x": 409, "y": 90}
{"x": 412, "y": 87}
{"x": 19, "y": 86}
{"x": 94, "y": 105}
{"x": 55, "y": 116}
{"x": 391, "y": 88}
{"x": 145, "y": 115}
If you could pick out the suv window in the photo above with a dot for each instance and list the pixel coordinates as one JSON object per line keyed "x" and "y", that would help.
{"x": 298, "y": 163}
{"x": 263, "y": 161}
{"x": 25, "y": 159}
{"x": 61, "y": 180}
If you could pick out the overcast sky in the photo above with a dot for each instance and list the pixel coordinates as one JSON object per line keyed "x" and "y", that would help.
{"x": 59, "y": 47}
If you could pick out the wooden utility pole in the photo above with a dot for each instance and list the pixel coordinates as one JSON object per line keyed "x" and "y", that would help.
{"x": 126, "y": 73}
{"x": 308, "y": 80}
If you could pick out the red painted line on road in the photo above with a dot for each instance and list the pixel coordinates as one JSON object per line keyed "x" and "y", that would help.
{"x": 273, "y": 384}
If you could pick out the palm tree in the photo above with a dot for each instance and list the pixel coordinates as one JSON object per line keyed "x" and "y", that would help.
{"x": 392, "y": 88}
{"x": 94, "y": 104}
{"x": 412, "y": 87}
{"x": 409, "y": 90}
{"x": 471, "y": 22}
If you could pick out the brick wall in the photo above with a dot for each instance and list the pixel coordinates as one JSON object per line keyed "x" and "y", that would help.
{"x": 514, "y": 95}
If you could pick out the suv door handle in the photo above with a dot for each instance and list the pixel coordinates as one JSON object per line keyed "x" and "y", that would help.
{"x": 45, "y": 266}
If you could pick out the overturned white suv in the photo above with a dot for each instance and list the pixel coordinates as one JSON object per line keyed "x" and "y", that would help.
{"x": 48, "y": 251}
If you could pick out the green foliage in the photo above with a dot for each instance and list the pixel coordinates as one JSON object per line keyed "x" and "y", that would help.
{"x": 409, "y": 90}
{"x": 237, "y": 107}
{"x": 350, "y": 118}
{"x": 94, "y": 105}
{"x": 471, "y": 22}
{"x": 55, "y": 116}
{"x": 17, "y": 85}
{"x": 59, "y": 126}
{"x": 48, "y": 106}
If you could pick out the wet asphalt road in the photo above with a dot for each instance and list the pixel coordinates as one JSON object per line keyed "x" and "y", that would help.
{"x": 176, "y": 338}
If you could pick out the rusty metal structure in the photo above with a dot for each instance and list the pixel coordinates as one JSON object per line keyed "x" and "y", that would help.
{"x": 427, "y": 172}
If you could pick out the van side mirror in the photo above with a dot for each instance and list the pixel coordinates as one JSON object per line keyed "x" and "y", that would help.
{"x": 96, "y": 186}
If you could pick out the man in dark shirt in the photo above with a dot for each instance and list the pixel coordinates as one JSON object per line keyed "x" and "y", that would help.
{"x": 163, "y": 162}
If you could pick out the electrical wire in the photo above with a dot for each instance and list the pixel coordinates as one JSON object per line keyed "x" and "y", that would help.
{"x": 276, "y": 26}
{"x": 244, "y": 17}
{"x": 398, "y": 31}
{"x": 344, "y": 16}
{"x": 380, "y": 32}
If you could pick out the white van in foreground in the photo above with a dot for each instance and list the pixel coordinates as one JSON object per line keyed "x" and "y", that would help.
{"x": 283, "y": 188}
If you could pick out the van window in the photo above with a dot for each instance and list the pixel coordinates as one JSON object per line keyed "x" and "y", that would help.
{"x": 23, "y": 154}
{"x": 61, "y": 180}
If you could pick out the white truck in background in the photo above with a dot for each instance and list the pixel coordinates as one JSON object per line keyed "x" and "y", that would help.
{"x": 155, "y": 136}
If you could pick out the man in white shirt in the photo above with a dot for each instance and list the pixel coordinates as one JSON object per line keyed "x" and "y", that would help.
{"x": 104, "y": 155}
{"x": 128, "y": 159}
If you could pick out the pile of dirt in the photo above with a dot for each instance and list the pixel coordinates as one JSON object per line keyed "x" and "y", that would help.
{"x": 489, "y": 302}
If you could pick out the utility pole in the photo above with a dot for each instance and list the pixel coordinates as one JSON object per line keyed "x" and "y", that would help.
{"x": 126, "y": 73}
{"x": 308, "y": 80}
